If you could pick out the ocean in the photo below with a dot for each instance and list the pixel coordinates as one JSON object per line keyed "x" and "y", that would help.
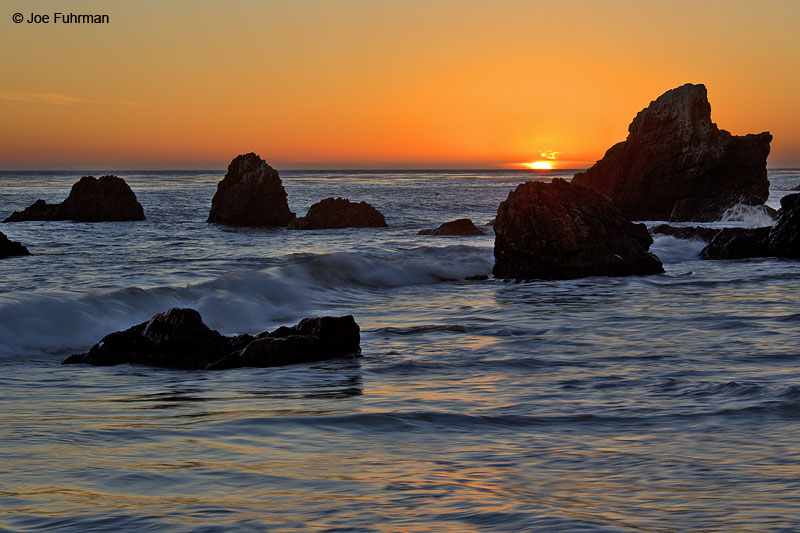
{"x": 657, "y": 403}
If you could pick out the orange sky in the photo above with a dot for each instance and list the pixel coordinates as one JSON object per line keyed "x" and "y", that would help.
{"x": 382, "y": 83}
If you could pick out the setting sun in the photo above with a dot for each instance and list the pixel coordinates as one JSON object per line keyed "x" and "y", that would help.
{"x": 539, "y": 165}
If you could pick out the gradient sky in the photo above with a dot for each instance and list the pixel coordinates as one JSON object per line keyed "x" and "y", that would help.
{"x": 382, "y": 83}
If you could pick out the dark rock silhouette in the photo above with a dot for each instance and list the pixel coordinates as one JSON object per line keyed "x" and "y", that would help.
{"x": 796, "y": 188}
{"x": 335, "y": 213}
{"x": 250, "y": 194}
{"x": 677, "y": 165}
{"x": 782, "y": 240}
{"x": 178, "y": 338}
{"x": 561, "y": 231}
{"x": 9, "y": 248}
{"x": 104, "y": 199}
{"x": 462, "y": 226}
{"x": 698, "y": 233}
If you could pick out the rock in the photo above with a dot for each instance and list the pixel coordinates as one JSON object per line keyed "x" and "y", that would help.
{"x": 178, "y": 338}
{"x": 738, "y": 243}
{"x": 796, "y": 188}
{"x": 250, "y": 194}
{"x": 477, "y": 277}
{"x": 462, "y": 226}
{"x": 782, "y": 240}
{"x": 104, "y": 199}
{"x": 697, "y": 233}
{"x": 562, "y": 231}
{"x": 9, "y": 248}
{"x": 677, "y": 165}
{"x": 335, "y": 213}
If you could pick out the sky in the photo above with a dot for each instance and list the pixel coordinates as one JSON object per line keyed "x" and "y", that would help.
{"x": 173, "y": 84}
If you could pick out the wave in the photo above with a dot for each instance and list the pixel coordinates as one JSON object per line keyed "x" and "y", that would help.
{"x": 673, "y": 250}
{"x": 749, "y": 216}
{"x": 244, "y": 301}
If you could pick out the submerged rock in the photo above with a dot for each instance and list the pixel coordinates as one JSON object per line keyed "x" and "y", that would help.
{"x": 250, "y": 194}
{"x": 335, "y": 213}
{"x": 782, "y": 240}
{"x": 178, "y": 338}
{"x": 677, "y": 165}
{"x": 462, "y": 226}
{"x": 104, "y": 199}
{"x": 9, "y": 248}
{"x": 561, "y": 231}
{"x": 698, "y": 233}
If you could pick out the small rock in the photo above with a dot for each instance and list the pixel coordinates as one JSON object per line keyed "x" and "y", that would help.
{"x": 9, "y": 248}
{"x": 336, "y": 213}
{"x": 697, "y": 233}
{"x": 462, "y": 226}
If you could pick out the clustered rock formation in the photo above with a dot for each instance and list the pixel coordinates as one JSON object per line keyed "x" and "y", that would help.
{"x": 252, "y": 194}
{"x": 462, "y": 226}
{"x": 560, "y": 230}
{"x": 9, "y": 248}
{"x": 336, "y": 213}
{"x": 782, "y": 240}
{"x": 677, "y": 165}
{"x": 178, "y": 338}
{"x": 104, "y": 199}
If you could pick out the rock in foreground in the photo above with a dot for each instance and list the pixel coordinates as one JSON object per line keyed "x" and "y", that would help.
{"x": 462, "y": 226}
{"x": 9, "y": 248}
{"x": 336, "y": 213}
{"x": 562, "y": 231}
{"x": 250, "y": 194}
{"x": 178, "y": 338}
{"x": 677, "y": 165}
{"x": 104, "y": 199}
{"x": 782, "y": 240}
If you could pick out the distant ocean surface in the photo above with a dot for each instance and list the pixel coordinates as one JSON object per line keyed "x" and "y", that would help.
{"x": 660, "y": 403}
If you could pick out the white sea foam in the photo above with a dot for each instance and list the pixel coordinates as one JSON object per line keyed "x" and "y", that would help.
{"x": 243, "y": 301}
{"x": 748, "y": 216}
{"x": 672, "y": 250}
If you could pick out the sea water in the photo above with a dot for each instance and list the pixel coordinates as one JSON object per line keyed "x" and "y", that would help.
{"x": 658, "y": 403}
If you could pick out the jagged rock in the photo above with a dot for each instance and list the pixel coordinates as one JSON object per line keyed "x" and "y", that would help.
{"x": 738, "y": 243}
{"x": 178, "y": 338}
{"x": 782, "y": 240}
{"x": 9, "y": 248}
{"x": 104, "y": 199}
{"x": 250, "y": 194}
{"x": 796, "y": 188}
{"x": 561, "y": 231}
{"x": 698, "y": 233}
{"x": 334, "y": 213}
{"x": 462, "y": 226}
{"x": 677, "y": 165}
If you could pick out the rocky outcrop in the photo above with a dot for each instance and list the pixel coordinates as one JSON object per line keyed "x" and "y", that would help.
{"x": 782, "y": 240}
{"x": 677, "y": 165}
{"x": 9, "y": 248}
{"x": 561, "y": 231}
{"x": 462, "y": 226}
{"x": 335, "y": 213}
{"x": 250, "y": 194}
{"x": 104, "y": 199}
{"x": 178, "y": 338}
{"x": 697, "y": 233}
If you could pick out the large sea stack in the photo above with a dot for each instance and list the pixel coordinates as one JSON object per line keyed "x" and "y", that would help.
{"x": 178, "y": 338}
{"x": 560, "y": 230}
{"x": 677, "y": 165}
{"x": 336, "y": 213}
{"x": 250, "y": 194}
{"x": 9, "y": 248}
{"x": 104, "y": 199}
